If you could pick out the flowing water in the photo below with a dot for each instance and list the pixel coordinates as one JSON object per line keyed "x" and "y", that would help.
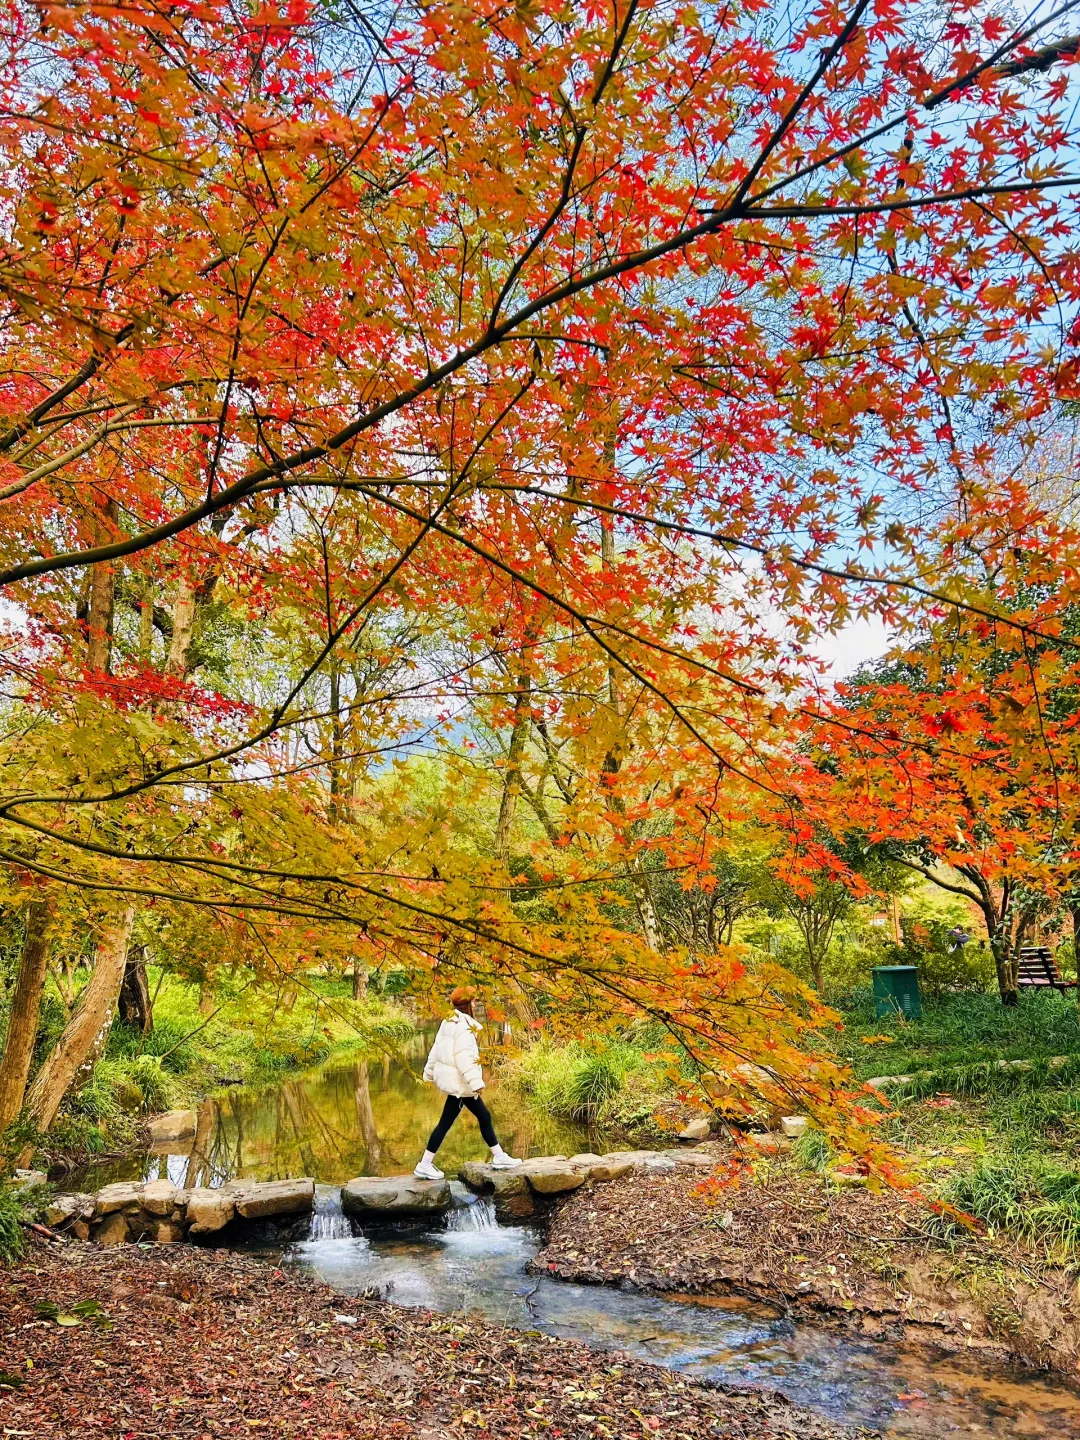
{"x": 364, "y": 1118}
{"x": 475, "y": 1264}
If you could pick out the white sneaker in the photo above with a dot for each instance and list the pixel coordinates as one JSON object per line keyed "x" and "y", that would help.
{"x": 504, "y": 1162}
{"x": 428, "y": 1171}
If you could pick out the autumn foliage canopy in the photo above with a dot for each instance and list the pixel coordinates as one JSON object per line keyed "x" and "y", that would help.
{"x": 372, "y": 374}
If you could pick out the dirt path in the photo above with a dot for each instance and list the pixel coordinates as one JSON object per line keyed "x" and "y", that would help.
{"x": 190, "y": 1344}
{"x": 871, "y": 1264}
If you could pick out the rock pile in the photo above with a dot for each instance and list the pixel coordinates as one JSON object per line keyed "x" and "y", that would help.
{"x": 159, "y": 1210}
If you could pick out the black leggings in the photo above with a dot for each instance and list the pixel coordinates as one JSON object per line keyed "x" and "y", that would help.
{"x": 452, "y": 1109}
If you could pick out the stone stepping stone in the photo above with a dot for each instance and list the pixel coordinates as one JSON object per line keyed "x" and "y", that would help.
{"x": 394, "y": 1197}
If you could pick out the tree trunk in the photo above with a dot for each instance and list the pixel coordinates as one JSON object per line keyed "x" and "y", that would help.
{"x": 136, "y": 1008}
{"x": 817, "y": 970}
{"x": 25, "y": 1010}
{"x": 512, "y": 778}
{"x": 79, "y": 1047}
{"x": 337, "y": 744}
{"x": 146, "y": 628}
{"x": 183, "y": 618}
{"x": 102, "y": 603}
{"x": 1005, "y": 965}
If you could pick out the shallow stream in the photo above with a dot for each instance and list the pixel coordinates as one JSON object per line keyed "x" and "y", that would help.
{"x": 363, "y": 1118}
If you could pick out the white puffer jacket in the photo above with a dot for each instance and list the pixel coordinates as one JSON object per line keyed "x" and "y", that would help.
{"x": 454, "y": 1062}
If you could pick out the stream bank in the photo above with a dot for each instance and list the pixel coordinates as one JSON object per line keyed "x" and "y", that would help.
{"x": 876, "y": 1266}
{"x": 188, "y": 1343}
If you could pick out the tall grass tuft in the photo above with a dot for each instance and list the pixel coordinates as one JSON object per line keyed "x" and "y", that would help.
{"x": 1030, "y": 1198}
{"x": 575, "y": 1081}
{"x": 12, "y": 1234}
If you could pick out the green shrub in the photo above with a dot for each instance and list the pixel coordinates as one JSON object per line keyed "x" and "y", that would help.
{"x": 944, "y": 967}
{"x": 12, "y": 1234}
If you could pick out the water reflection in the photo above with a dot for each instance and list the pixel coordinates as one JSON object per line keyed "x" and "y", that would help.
{"x": 355, "y": 1117}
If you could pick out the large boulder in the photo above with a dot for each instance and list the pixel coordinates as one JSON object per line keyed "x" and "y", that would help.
{"x": 554, "y": 1177}
{"x": 694, "y": 1160}
{"x": 28, "y": 1179}
{"x": 259, "y": 1199}
{"x": 209, "y": 1211}
{"x": 173, "y": 1125}
{"x": 516, "y": 1191}
{"x": 64, "y": 1209}
{"x": 611, "y": 1167}
{"x": 392, "y": 1197}
{"x": 697, "y": 1129}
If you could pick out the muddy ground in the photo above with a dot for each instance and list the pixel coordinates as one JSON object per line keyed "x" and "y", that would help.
{"x": 187, "y": 1343}
{"x": 875, "y": 1265}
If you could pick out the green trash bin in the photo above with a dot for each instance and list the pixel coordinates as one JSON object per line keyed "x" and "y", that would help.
{"x": 896, "y": 991}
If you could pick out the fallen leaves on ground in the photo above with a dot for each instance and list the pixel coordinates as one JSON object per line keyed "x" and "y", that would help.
{"x": 192, "y": 1344}
{"x": 877, "y": 1264}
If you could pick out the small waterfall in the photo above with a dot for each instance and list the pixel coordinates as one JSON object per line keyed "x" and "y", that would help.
{"x": 476, "y": 1214}
{"x": 328, "y": 1222}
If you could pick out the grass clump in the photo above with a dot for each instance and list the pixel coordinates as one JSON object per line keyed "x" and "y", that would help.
{"x": 813, "y": 1151}
{"x": 12, "y": 1234}
{"x": 584, "y": 1083}
{"x": 1027, "y": 1196}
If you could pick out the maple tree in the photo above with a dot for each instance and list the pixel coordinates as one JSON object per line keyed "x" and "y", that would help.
{"x": 957, "y": 761}
{"x": 531, "y": 358}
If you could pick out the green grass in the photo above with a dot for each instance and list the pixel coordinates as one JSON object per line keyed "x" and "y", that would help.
{"x": 1025, "y": 1196}
{"x": 998, "y": 1142}
{"x": 12, "y": 1235}
{"x": 959, "y": 1030}
{"x": 579, "y": 1082}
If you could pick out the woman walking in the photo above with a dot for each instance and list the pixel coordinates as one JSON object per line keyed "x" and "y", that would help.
{"x": 454, "y": 1066}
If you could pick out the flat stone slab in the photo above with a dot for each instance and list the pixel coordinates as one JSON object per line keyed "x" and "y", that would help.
{"x": 158, "y": 1197}
{"x": 390, "y": 1197}
{"x": 518, "y": 1192}
{"x": 259, "y": 1199}
{"x": 112, "y": 1198}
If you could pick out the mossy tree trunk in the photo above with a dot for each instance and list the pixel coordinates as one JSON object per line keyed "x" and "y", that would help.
{"x": 25, "y": 1010}
{"x": 83, "y": 1040}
